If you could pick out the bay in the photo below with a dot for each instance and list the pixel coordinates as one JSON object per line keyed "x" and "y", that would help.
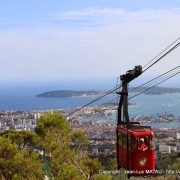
{"x": 24, "y": 98}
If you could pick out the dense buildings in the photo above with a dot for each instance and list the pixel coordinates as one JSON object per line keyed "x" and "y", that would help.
{"x": 102, "y": 137}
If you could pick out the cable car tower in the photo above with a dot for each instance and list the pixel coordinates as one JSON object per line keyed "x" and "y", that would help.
{"x": 131, "y": 136}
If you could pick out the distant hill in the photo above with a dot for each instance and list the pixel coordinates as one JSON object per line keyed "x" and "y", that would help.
{"x": 70, "y": 93}
{"x": 158, "y": 90}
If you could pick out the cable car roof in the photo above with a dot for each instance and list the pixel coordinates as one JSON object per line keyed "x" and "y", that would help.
{"x": 136, "y": 131}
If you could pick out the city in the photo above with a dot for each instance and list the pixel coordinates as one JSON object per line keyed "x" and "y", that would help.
{"x": 102, "y": 137}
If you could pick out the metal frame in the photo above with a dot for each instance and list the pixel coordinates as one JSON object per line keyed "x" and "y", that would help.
{"x": 123, "y": 115}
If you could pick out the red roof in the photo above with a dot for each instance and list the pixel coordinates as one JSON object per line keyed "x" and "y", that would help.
{"x": 136, "y": 132}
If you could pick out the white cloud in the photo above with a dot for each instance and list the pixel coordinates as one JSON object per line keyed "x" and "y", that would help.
{"x": 107, "y": 16}
{"x": 119, "y": 40}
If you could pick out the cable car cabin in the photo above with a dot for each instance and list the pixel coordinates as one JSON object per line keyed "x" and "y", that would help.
{"x": 135, "y": 149}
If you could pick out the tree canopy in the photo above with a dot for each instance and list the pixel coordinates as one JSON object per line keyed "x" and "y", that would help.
{"x": 64, "y": 152}
{"x": 15, "y": 162}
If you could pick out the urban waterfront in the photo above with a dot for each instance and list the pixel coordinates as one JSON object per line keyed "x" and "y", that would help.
{"x": 24, "y": 99}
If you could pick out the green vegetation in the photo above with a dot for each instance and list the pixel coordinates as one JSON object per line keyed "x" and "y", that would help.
{"x": 23, "y": 139}
{"x": 54, "y": 150}
{"x": 18, "y": 163}
{"x": 56, "y": 133}
{"x": 175, "y": 164}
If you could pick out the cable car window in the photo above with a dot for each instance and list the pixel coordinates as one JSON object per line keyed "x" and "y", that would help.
{"x": 120, "y": 139}
{"x": 124, "y": 141}
{"x": 129, "y": 142}
{"x": 143, "y": 144}
{"x": 133, "y": 144}
{"x": 151, "y": 144}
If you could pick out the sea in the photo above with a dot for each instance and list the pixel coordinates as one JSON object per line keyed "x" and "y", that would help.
{"x": 19, "y": 98}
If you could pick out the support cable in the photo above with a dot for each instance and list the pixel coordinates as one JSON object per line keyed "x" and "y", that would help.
{"x": 117, "y": 87}
{"x": 159, "y": 79}
{"x": 163, "y": 55}
{"x": 156, "y": 84}
{"x": 156, "y": 78}
{"x": 109, "y": 92}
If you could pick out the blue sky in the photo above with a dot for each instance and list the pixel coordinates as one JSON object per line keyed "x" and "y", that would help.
{"x": 31, "y": 12}
{"x": 76, "y": 40}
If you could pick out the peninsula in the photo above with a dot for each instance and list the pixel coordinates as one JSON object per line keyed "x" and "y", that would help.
{"x": 71, "y": 93}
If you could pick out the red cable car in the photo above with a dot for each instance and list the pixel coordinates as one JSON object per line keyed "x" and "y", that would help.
{"x": 138, "y": 156}
{"x": 135, "y": 151}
